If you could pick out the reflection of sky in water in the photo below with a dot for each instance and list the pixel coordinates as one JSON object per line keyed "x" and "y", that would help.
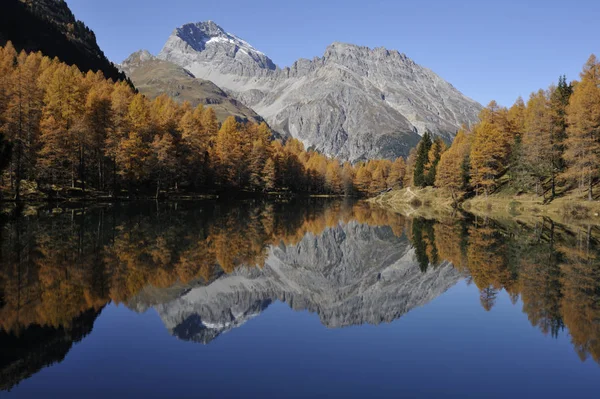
{"x": 451, "y": 347}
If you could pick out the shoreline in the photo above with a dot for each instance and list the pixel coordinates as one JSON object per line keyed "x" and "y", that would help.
{"x": 224, "y": 195}
{"x": 437, "y": 203}
{"x": 27, "y": 205}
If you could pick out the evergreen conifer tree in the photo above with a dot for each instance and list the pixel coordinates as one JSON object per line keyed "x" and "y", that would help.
{"x": 422, "y": 159}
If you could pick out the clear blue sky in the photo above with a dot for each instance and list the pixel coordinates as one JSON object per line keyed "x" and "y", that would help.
{"x": 488, "y": 50}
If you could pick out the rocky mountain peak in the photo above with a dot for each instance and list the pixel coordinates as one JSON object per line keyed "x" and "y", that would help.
{"x": 353, "y": 102}
{"x": 208, "y": 41}
{"x": 136, "y": 60}
{"x": 197, "y": 35}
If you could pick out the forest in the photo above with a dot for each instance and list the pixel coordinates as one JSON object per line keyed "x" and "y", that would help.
{"x": 64, "y": 133}
{"x": 547, "y": 146}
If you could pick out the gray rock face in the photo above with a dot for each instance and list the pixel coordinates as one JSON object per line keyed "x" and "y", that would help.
{"x": 349, "y": 275}
{"x": 354, "y": 102}
{"x": 136, "y": 60}
{"x": 230, "y": 54}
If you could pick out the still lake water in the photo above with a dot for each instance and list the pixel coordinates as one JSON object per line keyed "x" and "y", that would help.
{"x": 306, "y": 299}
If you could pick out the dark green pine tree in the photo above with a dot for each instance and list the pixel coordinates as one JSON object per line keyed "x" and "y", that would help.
{"x": 422, "y": 159}
{"x": 559, "y": 102}
{"x": 437, "y": 146}
{"x": 419, "y": 244}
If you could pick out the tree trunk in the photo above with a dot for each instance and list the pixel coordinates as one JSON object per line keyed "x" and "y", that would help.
{"x": 590, "y": 197}
{"x": 157, "y": 189}
{"x": 100, "y": 182}
{"x": 114, "y": 178}
{"x": 18, "y": 173}
{"x": 82, "y": 168}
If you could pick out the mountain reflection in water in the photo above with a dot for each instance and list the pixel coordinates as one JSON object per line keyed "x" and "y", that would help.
{"x": 208, "y": 268}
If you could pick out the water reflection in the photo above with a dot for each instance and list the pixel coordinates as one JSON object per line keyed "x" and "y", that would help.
{"x": 209, "y": 268}
{"x": 553, "y": 269}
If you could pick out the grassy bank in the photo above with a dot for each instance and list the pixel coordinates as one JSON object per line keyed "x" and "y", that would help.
{"x": 571, "y": 208}
{"x": 426, "y": 202}
{"x": 430, "y": 202}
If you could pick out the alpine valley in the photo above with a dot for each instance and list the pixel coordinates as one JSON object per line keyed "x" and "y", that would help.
{"x": 354, "y": 103}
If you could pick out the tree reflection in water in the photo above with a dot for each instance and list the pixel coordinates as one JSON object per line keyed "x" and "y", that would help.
{"x": 59, "y": 269}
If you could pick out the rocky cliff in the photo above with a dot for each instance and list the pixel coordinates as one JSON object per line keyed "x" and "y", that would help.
{"x": 353, "y": 102}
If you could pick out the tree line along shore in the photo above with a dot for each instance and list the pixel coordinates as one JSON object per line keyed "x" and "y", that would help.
{"x": 68, "y": 134}
{"x": 540, "y": 156}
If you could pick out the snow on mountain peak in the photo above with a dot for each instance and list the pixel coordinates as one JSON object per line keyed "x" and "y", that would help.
{"x": 199, "y": 35}
{"x": 196, "y": 44}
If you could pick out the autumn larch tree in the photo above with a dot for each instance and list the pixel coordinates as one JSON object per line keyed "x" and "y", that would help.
{"x": 64, "y": 141}
{"x": 230, "y": 151}
{"x": 8, "y": 59}
{"x": 537, "y": 139}
{"x": 164, "y": 155}
{"x": 268, "y": 175}
{"x": 583, "y": 116}
{"x": 433, "y": 158}
{"x": 516, "y": 116}
{"x": 258, "y": 159}
{"x": 348, "y": 175}
{"x": 450, "y": 169}
{"x": 493, "y": 140}
{"x": 397, "y": 173}
{"x": 363, "y": 179}
{"x": 333, "y": 177}
{"x": 409, "y": 174}
{"x": 120, "y": 100}
{"x": 379, "y": 174}
{"x": 259, "y": 154}
{"x": 487, "y": 157}
{"x": 98, "y": 120}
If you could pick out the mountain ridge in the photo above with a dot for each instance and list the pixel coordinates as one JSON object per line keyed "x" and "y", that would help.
{"x": 49, "y": 26}
{"x": 353, "y": 102}
{"x": 153, "y": 77}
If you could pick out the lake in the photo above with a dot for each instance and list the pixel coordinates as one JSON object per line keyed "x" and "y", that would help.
{"x": 309, "y": 298}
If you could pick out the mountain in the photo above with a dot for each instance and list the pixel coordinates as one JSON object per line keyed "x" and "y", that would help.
{"x": 350, "y": 274}
{"x": 49, "y": 26}
{"x": 153, "y": 77}
{"x": 353, "y": 102}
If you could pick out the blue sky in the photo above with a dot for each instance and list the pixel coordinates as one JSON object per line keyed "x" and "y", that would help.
{"x": 488, "y": 50}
